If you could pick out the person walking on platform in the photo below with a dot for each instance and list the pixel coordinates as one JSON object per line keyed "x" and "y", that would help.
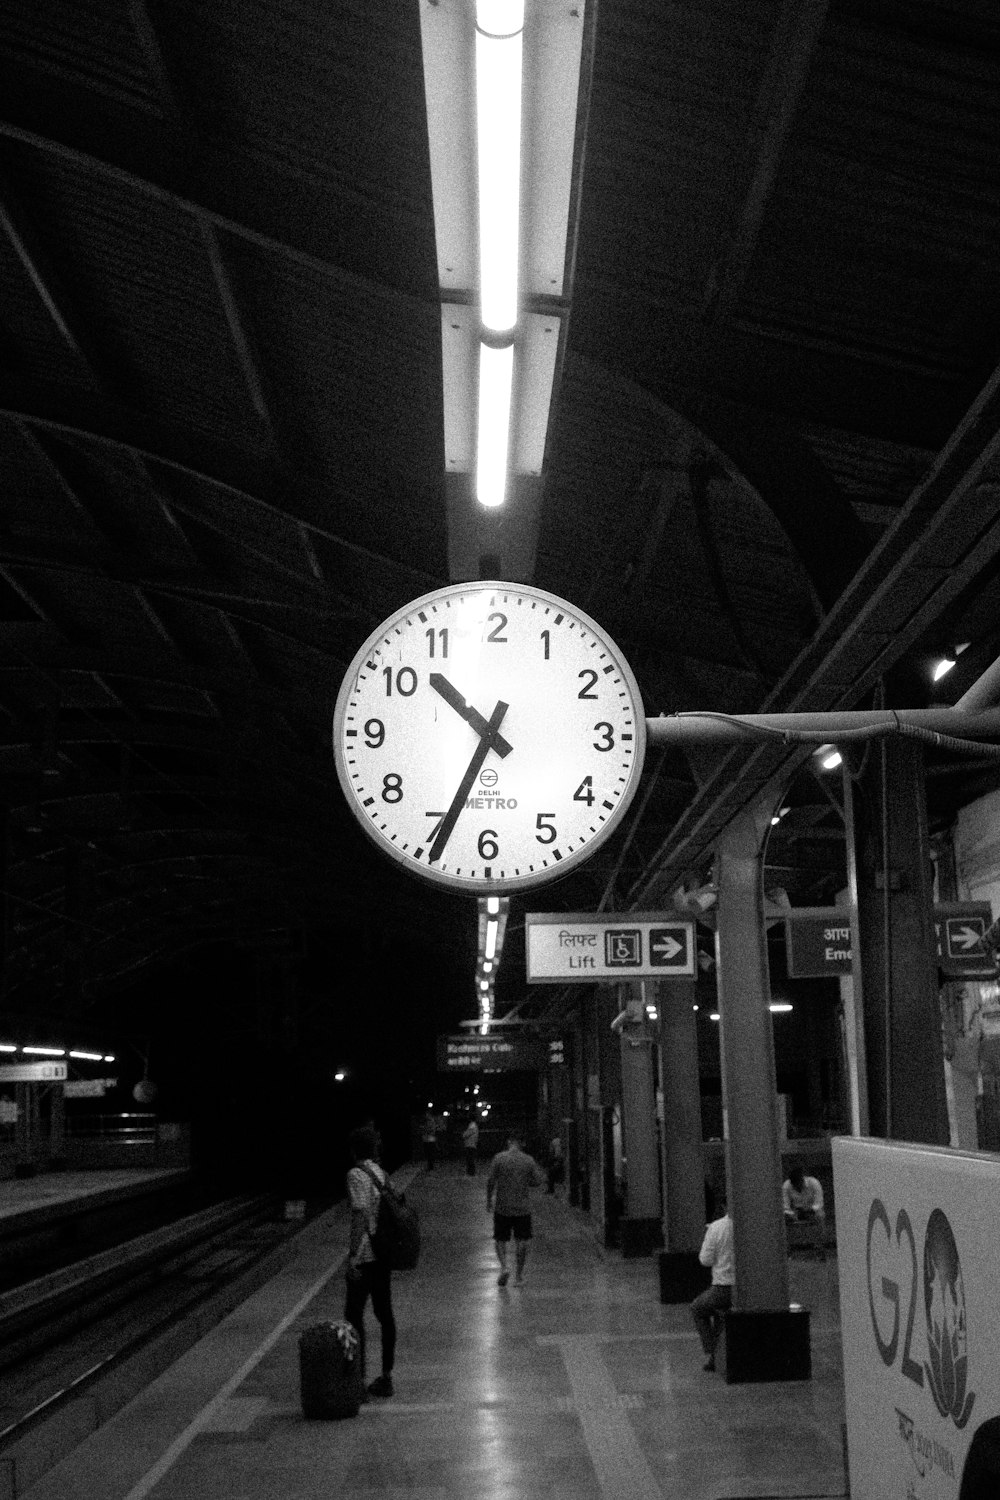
{"x": 470, "y": 1140}
{"x": 365, "y": 1276}
{"x": 708, "y": 1307}
{"x": 513, "y": 1173}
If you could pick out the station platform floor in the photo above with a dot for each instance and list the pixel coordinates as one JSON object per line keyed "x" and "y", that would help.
{"x": 578, "y": 1385}
{"x": 21, "y": 1197}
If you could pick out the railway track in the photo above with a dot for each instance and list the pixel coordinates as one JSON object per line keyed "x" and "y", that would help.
{"x": 78, "y": 1342}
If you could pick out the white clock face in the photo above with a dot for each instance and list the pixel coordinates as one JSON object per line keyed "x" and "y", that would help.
{"x": 489, "y": 736}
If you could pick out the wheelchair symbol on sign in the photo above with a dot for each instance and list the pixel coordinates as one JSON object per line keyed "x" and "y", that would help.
{"x": 623, "y": 948}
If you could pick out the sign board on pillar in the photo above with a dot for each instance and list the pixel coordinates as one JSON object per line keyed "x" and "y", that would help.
{"x": 917, "y": 1235}
{"x": 490, "y": 1054}
{"x": 568, "y": 948}
{"x": 959, "y": 929}
{"x": 818, "y": 942}
{"x": 38, "y": 1072}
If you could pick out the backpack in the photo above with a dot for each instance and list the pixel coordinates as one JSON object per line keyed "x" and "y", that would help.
{"x": 396, "y": 1241}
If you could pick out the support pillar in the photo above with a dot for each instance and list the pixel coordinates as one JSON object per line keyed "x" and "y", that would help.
{"x": 682, "y": 1276}
{"x": 764, "y": 1339}
{"x": 902, "y": 1014}
{"x": 641, "y": 1228}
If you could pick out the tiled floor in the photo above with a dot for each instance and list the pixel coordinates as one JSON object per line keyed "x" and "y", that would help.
{"x": 579, "y": 1385}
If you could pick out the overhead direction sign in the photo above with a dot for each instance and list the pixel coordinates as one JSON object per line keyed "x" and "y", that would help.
{"x": 39, "y": 1072}
{"x": 580, "y": 948}
{"x": 490, "y": 1054}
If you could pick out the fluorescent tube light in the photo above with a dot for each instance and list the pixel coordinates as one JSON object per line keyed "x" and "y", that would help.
{"x": 498, "y": 127}
{"x": 88, "y": 1056}
{"x": 496, "y": 370}
{"x": 491, "y": 937}
{"x": 46, "y": 1051}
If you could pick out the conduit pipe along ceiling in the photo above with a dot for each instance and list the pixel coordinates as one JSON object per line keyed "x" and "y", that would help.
{"x": 502, "y": 84}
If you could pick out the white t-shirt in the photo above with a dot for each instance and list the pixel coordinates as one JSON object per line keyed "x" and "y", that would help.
{"x": 717, "y": 1251}
{"x": 364, "y": 1196}
{"x": 810, "y": 1196}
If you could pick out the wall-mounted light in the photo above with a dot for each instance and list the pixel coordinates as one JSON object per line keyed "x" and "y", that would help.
{"x": 780, "y": 1007}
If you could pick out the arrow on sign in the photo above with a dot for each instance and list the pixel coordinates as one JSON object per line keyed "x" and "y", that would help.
{"x": 666, "y": 948}
{"x": 964, "y": 938}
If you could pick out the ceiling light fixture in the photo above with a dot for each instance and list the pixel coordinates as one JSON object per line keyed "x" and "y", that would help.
{"x": 496, "y": 374}
{"x": 499, "y": 27}
{"x": 944, "y": 664}
{"x": 503, "y": 89}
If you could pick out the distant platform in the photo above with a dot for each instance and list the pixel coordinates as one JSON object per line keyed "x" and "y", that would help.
{"x": 52, "y": 1194}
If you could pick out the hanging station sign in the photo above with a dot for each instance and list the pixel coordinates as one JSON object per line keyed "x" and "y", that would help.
{"x": 490, "y": 1054}
{"x": 577, "y": 948}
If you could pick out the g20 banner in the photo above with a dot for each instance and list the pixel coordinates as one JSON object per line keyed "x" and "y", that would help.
{"x": 918, "y": 1247}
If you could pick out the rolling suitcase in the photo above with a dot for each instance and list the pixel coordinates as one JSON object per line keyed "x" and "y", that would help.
{"x": 330, "y": 1375}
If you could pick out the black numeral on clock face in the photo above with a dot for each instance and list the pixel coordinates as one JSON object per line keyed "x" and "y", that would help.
{"x": 441, "y": 641}
{"x": 488, "y": 846}
{"x": 495, "y": 633}
{"x": 546, "y": 831}
{"x": 585, "y": 791}
{"x": 392, "y": 787}
{"x": 607, "y": 740}
{"x": 406, "y": 681}
{"x": 374, "y": 733}
{"x": 585, "y": 691}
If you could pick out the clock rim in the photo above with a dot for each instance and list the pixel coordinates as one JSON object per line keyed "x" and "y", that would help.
{"x": 504, "y": 885}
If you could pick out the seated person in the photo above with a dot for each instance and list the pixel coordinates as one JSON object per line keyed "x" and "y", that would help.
{"x": 803, "y": 1204}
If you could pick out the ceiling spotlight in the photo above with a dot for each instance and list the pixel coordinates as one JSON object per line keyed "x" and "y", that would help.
{"x": 945, "y": 663}
{"x": 829, "y": 757}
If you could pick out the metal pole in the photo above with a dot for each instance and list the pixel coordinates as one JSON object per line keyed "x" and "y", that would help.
{"x": 965, "y": 721}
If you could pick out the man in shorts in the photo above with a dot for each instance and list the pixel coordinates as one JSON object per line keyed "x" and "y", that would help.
{"x": 512, "y": 1175}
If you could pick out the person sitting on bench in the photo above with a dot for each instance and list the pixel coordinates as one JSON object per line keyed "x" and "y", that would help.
{"x": 803, "y": 1204}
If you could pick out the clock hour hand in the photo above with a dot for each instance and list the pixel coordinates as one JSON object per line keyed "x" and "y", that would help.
{"x": 472, "y": 770}
{"x": 469, "y": 714}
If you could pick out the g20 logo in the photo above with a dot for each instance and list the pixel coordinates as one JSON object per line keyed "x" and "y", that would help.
{"x": 946, "y": 1367}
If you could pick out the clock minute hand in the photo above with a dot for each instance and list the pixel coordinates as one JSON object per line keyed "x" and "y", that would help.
{"x": 471, "y": 715}
{"x": 472, "y": 770}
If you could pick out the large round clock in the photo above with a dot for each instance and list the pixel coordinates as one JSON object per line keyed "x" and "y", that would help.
{"x": 489, "y": 736}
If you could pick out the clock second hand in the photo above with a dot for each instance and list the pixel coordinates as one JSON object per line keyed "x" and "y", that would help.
{"x": 457, "y": 802}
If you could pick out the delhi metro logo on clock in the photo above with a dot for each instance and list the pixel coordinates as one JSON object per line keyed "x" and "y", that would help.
{"x": 489, "y": 736}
